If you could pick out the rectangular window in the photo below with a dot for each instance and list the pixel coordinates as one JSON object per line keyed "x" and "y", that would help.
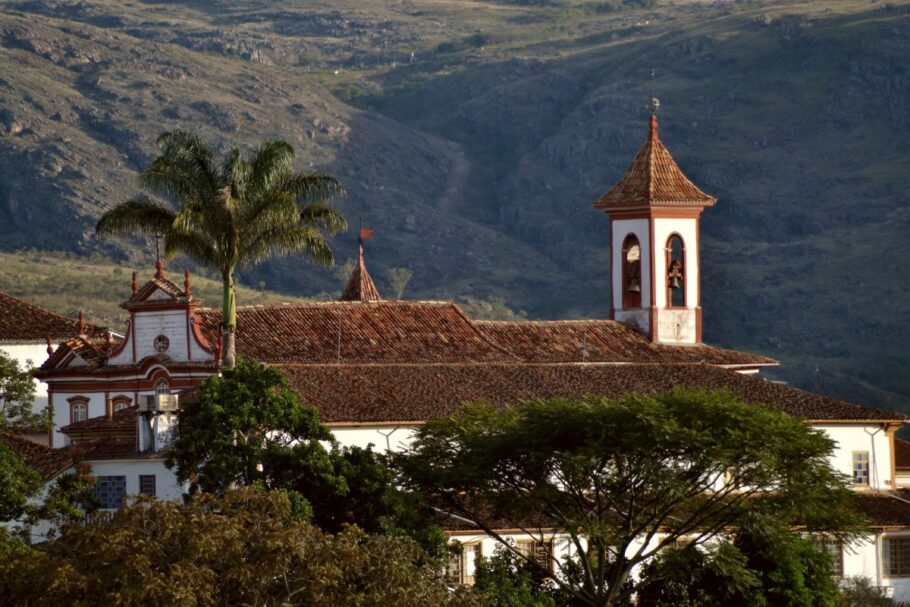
{"x": 861, "y": 467}
{"x": 147, "y": 484}
{"x": 834, "y": 548}
{"x": 471, "y": 551}
{"x": 896, "y": 556}
{"x": 539, "y": 552}
{"x": 110, "y": 490}
{"x": 454, "y": 568}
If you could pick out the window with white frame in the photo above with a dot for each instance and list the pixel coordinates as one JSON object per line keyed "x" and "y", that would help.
{"x": 861, "y": 467}
{"x": 119, "y": 403}
{"x": 455, "y": 567}
{"x": 162, "y": 387}
{"x": 896, "y": 556}
{"x": 78, "y": 409}
{"x": 472, "y": 552}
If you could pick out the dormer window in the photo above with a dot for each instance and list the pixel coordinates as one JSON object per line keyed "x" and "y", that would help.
{"x": 631, "y": 273}
{"x": 676, "y": 272}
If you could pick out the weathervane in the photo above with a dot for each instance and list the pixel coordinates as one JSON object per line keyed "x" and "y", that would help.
{"x": 654, "y": 103}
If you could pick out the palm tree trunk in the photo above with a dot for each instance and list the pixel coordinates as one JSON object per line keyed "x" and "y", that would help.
{"x": 228, "y": 321}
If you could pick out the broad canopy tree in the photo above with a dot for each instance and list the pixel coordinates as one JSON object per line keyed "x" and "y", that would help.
{"x": 248, "y": 428}
{"x": 231, "y": 214}
{"x": 623, "y": 479}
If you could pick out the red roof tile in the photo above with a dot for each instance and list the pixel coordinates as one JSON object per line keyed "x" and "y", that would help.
{"x": 124, "y": 419}
{"x": 602, "y": 341}
{"x": 161, "y": 283}
{"x": 21, "y": 321}
{"x": 358, "y": 332}
{"x": 413, "y": 393}
{"x": 360, "y": 286}
{"x": 45, "y": 461}
{"x": 885, "y": 508}
{"x": 654, "y": 179}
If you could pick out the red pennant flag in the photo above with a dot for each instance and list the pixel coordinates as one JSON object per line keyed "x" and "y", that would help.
{"x": 366, "y": 233}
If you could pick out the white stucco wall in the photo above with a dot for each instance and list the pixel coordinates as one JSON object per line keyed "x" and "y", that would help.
{"x": 675, "y": 325}
{"x": 621, "y": 229}
{"x": 171, "y": 323}
{"x": 166, "y": 485}
{"x": 60, "y": 402}
{"x": 383, "y": 438}
{"x": 849, "y": 438}
{"x": 33, "y": 355}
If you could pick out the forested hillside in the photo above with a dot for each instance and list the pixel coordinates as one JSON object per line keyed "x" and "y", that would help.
{"x": 473, "y": 137}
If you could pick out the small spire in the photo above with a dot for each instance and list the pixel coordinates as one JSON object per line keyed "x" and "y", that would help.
{"x": 652, "y": 132}
{"x": 50, "y": 348}
{"x": 186, "y": 282}
{"x": 360, "y": 286}
{"x": 80, "y": 325}
{"x": 134, "y": 285}
{"x": 159, "y": 269}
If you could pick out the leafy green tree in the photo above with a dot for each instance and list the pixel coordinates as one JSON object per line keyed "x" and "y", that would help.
{"x": 248, "y": 428}
{"x": 399, "y": 279}
{"x": 17, "y": 393}
{"x": 859, "y": 591}
{"x": 623, "y": 479}
{"x": 247, "y": 547}
{"x": 505, "y": 581}
{"x": 18, "y": 483}
{"x": 231, "y": 214}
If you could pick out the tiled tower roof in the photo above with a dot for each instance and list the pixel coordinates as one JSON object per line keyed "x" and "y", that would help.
{"x": 360, "y": 286}
{"x": 654, "y": 179}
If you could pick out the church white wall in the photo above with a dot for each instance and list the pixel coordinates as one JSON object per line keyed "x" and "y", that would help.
{"x": 851, "y": 438}
{"x": 33, "y": 355}
{"x": 621, "y": 229}
{"x": 166, "y": 485}
{"x": 97, "y": 407}
{"x": 170, "y": 323}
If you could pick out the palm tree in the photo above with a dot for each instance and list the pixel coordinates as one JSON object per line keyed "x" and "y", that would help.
{"x": 232, "y": 215}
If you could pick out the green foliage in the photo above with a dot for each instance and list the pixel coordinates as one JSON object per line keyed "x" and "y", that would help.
{"x": 859, "y": 591}
{"x": 505, "y": 581}
{"x": 244, "y": 548}
{"x": 17, "y": 391}
{"x": 248, "y": 428}
{"x": 607, "y": 473}
{"x": 18, "y": 483}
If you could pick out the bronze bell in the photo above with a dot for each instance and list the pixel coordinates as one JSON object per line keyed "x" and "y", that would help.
{"x": 634, "y": 287}
{"x": 674, "y": 282}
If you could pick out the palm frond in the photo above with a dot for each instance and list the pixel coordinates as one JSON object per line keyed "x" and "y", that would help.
{"x": 272, "y": 163}
{"x": 284, "y": 240}
{"x": 140, "y": 215}
{"x": 314, "y": 187}
{"x": 197, "y": 247}
{"x": 324, "y": 216}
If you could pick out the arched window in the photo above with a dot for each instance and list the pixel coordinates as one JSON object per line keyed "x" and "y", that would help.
{"x": 676, "y": 272}
{"x": 162, "y": 387}
{"x": 631, "y": 273}
{"x": 121, "y": 402}
{"x": 78, "y": 409}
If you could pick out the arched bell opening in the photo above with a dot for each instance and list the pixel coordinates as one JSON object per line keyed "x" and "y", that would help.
{"x": 676, "y": 272}
{"x": 631, "y": 273}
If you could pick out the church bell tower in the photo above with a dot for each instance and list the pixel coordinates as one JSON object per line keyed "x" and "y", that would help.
{"x": 654, "y": 216}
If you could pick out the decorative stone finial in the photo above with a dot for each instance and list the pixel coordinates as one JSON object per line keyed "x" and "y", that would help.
{"x": 50, "y": 348}
{"x": 652, "y": 134}
{"x": 134, "y": 285}
{"x": 186, "y": 282}
{"x": 159, "y": 269}
{"x": 80, "y": 325}
{"x": 108, "y": 341}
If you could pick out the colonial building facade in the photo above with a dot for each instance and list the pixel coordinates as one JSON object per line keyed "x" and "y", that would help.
{"x": 378, "y": 369}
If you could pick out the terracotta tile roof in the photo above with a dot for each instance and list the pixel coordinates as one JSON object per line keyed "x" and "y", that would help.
{"x": 654, "y": 179}
{"x": 93, "y": 350}
{"x": 885, "y": 508}
{"x": 360, "y": 286}
{"x": 901, "y": 454}
{"x": 122, "y": 420}
{"x": 21, "y": 321}
{"x": 358, "y": 332}
{"x": 602, "y": 341}
{"x": 45, "y": 461}
{"x": 413, "y": 393}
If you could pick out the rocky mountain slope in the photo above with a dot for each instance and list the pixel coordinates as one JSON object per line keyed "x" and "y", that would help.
{"x": 473, "y": 135}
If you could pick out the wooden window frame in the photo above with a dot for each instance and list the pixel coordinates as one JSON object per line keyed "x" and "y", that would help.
{"x": 143, "y": 488}
{"x": 77, "y": 401}
{"x": 668, "y": 253}
{"x": 886, "y": 558}
{"x": 823, "y": 545}
{"x": 539, "y": 552}
{"x": 630, "y": 300}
